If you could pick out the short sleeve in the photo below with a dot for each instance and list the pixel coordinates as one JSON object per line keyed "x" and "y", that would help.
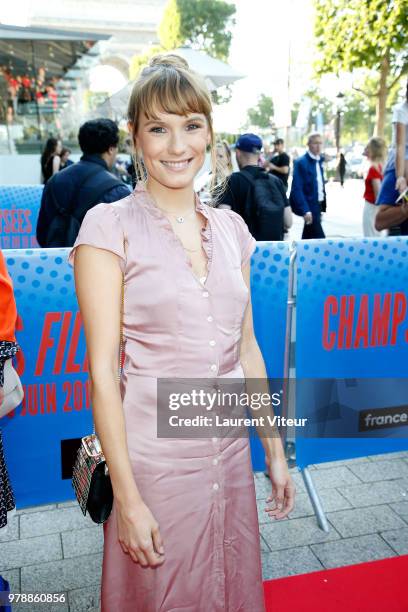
{"x": 246, "y": 241}
{"x": 101, "y": 228}
{"x": 400, "y": 114}
{"x": 374, "y": 173}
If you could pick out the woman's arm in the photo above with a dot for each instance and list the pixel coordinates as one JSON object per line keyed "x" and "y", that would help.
{"x": 390, "y": 215}
{"x": 283, "y": 489}
{"x": 376, "y": 183}
{"x": 56, "y": 164}
{"x": 401, "y": 183}
{"x": 98, "y": 280}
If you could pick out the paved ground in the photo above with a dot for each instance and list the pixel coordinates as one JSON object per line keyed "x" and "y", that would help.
{"x": 55, "y": 549}
{"x": 344, "y": 211}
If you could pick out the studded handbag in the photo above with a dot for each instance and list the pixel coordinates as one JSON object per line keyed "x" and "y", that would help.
{"x": 90, "y": 477}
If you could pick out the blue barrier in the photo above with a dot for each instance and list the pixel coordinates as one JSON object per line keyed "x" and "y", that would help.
{"x": 53, "y": 369}
{"x": 19, "y": 209}
{"x": 56, "y": 409}
{"x": 269, "y": 293}
{"x": 351, "y": 324}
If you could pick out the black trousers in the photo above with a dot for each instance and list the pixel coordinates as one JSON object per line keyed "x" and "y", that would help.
{"x": 314, "y": 230}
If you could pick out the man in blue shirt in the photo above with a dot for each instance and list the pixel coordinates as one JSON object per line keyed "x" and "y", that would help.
{"x": 308, "y": 193}
{"x": 71, "y": 192}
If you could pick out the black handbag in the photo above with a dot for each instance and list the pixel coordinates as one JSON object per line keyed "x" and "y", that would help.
{"x": 90, "y": 477}
{"x": 91, "y": 480}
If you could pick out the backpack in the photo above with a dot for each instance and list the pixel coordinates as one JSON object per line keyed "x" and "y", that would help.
{"x": 64, "y": 228}
{"x": 264, "y": 208}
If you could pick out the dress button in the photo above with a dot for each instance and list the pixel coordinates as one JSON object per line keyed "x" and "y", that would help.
{"x": 216, "y": 486}
{"x": 213, "y": 367}
{"x": 205, "y": 294}
{"x": 215, "y": 461}
{"x": 212, "y": 343}
{"x": 210, "y": 319}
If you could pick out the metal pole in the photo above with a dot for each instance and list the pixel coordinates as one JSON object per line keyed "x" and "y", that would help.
{"x": 288, "y": 383}
{"x": 315, "y": 499}
{"x": 290, "y": 395}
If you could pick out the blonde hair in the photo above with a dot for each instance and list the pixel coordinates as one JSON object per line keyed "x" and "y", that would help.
{"x": 377, "y": 149}
{"x": 168, "y": 85}
{"x": 223, "y": 144}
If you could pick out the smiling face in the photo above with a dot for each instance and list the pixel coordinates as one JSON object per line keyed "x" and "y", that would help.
{"x": 173, "y": 147}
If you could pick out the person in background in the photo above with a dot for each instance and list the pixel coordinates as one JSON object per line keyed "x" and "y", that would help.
{"x": 207, "y": 186}
{"x": 278, "y": 163}
{"x": 392, "y": 214}
{"x": 224, "y": 157}
{"x": 50, "y": 159}
{"x": 8, "y": 348}
{"x": 65, "y": 161}
{"x": 82, "y": 185}
{"x": 308, "y": 193}
{"x": 267, "y": 219}
{"x": 375, "y": 153}
{"x": 341, "y": 167}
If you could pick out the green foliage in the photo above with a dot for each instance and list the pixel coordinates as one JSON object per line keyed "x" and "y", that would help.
{"x": 170, "y": 27}
{"x": 201, "y": 24}
{"x": 262, "y": 114}
{"x": 93, "y": 99}
{"x": 371, "y": 34}
{"x": 359, "y": 33}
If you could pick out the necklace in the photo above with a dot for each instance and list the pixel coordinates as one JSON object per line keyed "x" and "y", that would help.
{"x": 179, "y": 218}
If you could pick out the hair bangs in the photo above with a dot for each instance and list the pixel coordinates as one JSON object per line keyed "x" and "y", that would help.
{"x": 174, "y": 94}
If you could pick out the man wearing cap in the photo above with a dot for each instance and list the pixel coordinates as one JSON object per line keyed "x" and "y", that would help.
{"x": 279, "y": 162}
{"x": 308, "y": 193}
{"x": 243, "y": 189}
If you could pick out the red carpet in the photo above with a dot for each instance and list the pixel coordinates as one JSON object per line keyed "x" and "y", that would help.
{"x": 377, "y": 586}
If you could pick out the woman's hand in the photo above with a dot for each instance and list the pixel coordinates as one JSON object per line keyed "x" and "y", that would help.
{"x": 139, "y": 535}
{"x": 283, "y": 488}
{"x": 401, "y": 184}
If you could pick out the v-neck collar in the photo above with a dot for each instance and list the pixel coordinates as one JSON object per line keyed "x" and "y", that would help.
{"x": 206, "y": 232}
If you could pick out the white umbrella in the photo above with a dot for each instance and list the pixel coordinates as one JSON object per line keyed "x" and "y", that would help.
{"x": 216, "y": 73}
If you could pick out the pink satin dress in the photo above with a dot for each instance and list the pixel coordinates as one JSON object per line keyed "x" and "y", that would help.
{"x": 201, "y": 491}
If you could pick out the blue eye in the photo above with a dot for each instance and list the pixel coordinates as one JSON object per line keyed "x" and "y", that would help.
{"x": 194, "y": 126}
{"x": 157, "y": 130}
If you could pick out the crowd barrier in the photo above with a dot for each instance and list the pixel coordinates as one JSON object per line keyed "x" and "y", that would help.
{"x": 41, "y": 436}
{"x": 19, "y": 209}
{"x": 352, "y": 334}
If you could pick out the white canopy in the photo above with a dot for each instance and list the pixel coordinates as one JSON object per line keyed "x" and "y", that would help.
{"x": 216, "y": 73}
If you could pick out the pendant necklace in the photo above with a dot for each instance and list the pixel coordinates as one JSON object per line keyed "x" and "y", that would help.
{"x": 179, "y": 218}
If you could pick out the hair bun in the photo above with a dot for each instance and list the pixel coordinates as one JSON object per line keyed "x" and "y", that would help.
{"x": 171, "y": 60}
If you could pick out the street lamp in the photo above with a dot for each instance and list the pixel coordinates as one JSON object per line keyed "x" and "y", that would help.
{"x": 337, "y": 127}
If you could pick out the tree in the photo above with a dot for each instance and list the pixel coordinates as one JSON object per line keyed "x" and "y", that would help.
{"x": 352, "y": 34}
{"x": 261, "y": 115}
{"x": 201, "y": 24}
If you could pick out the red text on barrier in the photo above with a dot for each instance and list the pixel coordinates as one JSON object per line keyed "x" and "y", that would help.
{"x": 364, "y": 321}
{"x": 15, "y": 221}
{"x": 60, "y": 340}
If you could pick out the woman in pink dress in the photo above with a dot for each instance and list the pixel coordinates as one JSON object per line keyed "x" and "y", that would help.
{"x": 183, "y": 535}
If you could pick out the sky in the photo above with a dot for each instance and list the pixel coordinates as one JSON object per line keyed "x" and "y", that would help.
{"x": 266, "y": 35}
{"x": 269, "y": 36}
